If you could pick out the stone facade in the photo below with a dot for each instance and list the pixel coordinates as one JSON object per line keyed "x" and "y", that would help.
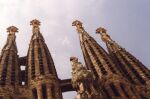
{"x": 113, "y": 75}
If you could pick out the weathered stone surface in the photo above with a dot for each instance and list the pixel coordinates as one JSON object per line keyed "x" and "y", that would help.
{"x": 114, "y": 75}
{"x": 83, "y": 81}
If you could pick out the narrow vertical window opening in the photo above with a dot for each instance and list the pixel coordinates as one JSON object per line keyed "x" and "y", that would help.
{"x": 44, "y": 92}
{"x": 115, "y": 91}
{"x": 34, "y": 92}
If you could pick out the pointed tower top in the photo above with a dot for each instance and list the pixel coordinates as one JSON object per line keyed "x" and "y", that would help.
{"x": 35, "y": 26}
{"x": 103, "y": 32}
{"x": 77, "y": 23}
{"x": 12, "y": 29}
{"x": 35, "y": 22}
{"x": 79, "y": 26}
{"x": 74, "y": 59}
{"x": 11, "y": 43}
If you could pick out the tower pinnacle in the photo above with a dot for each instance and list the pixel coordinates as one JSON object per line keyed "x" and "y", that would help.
{"x": 12, "y": 29}
{"x": 77, "y": 23}
{"x": 35, "y": 22}
{"x": 11, "y": 38}
{"x": 79, "y": 26}
{"x": 103, "y": 32}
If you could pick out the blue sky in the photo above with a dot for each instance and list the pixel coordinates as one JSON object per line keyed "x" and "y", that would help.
{"x": 127, "y": 22}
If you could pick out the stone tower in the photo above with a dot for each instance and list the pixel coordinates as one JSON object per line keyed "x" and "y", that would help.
{"x": 42, "y": 76}
{"x": 97, "y": 60}
{"x": 39, "y": 80}
{"x": 10, "y": 72}
{"x": 113, "y": 75}
{"x": 129, "y": 66}
{"x": 9, "y": 65}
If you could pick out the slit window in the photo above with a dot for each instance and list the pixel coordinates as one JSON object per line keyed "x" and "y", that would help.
{"x": 32, "y": 65}
{"x": 44, "y": 92}
{"x": 34, "y": 92}
{"x": 53, "y": 92}
{"x": 40, "y": 61}
{"x": 124, "y": 90}
{"x": 115, "y": 91}
{"x": 107, "y": 93}
{"x": 13, "y": 71}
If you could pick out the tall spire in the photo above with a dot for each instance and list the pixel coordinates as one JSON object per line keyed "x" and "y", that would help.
{"x": 114, "y": 85}
{"x": 83, "y": 81}
{"x": 42, "y": 76}
{"x": 130, "y": 67}
{"x": 134, "y": 70}
{"x": 95, "y": 56}
{"x": 9, "y": 65}
{"x": 39, "y": 53}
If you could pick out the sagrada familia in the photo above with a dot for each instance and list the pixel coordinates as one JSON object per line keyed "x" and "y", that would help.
{"x": 112, "y": 74}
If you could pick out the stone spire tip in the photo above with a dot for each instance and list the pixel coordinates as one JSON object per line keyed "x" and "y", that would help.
{"x": 79, "y": 27}
{"x": 73, "y": 59}
{"x": 101, "y": 30}
{"x": 35, "y": 22}
{"x": 12, "y": 29}
{"x": 76, "y": 23}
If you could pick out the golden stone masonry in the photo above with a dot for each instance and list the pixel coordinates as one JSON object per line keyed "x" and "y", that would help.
{"x": 115, "y": 74}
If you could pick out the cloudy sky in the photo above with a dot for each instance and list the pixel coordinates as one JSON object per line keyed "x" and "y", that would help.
{"x": 127, "y": 21}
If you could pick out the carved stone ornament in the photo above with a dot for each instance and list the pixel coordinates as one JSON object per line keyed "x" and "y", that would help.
{"x": 83, "y": 80}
